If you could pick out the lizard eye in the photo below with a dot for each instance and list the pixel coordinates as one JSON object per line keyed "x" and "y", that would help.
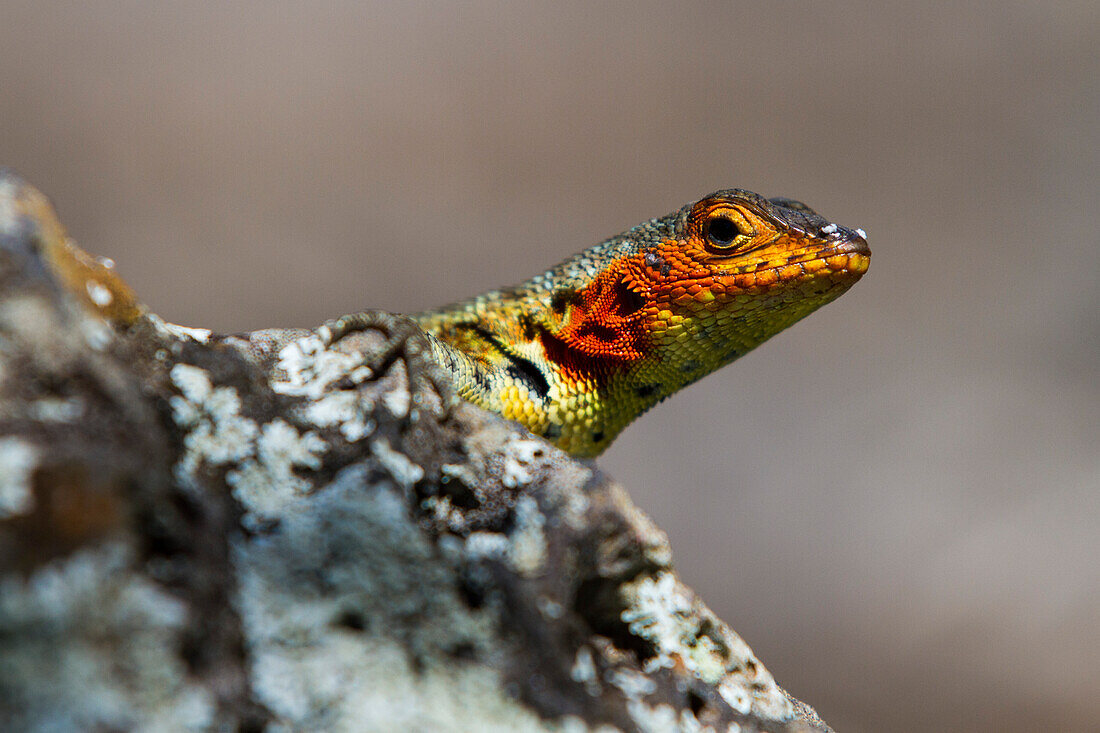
{"x": 722, "y": 232}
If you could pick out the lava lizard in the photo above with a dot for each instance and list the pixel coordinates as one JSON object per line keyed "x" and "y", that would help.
{"x": 577, "y": 353}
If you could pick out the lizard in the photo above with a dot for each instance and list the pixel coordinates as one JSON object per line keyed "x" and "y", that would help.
{"x": 578, "y": 352}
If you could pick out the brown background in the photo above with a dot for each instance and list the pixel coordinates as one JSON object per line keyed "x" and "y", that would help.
{"x": 896, "y": 502}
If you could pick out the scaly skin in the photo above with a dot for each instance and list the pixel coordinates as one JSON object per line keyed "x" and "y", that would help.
{"x": 577, "y": 353}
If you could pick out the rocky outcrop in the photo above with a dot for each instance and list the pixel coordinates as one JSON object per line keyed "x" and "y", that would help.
{"x": 273, "y": 531}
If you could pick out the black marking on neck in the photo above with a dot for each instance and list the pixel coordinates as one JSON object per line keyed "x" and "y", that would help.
{"x": 519, "y": 368}
{"x": 525, "y": 371}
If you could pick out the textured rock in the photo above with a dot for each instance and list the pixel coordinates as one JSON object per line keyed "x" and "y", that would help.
{"x": 263, "y": 532}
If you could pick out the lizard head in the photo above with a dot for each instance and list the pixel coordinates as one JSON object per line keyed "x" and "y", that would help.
{"x": 739, "y": 268}
{"x": 580, "y": 351}
{"x": 676, "y": 298}
{"x": 708, "y": 283}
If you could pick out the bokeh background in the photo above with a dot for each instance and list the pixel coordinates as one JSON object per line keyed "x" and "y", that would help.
{"x": 897, "y": 501}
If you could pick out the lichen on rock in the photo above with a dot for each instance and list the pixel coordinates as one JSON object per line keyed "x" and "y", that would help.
{"x": 269, "y": 532}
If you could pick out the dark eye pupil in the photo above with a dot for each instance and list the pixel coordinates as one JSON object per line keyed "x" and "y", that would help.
{"x": 721, "y": 231}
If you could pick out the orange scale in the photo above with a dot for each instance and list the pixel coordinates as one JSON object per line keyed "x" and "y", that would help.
{"x": 790, "y": 272}
{"x": 726, "y": 282}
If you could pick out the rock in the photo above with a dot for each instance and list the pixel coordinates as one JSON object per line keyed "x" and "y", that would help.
{"x": 275, "y": 531}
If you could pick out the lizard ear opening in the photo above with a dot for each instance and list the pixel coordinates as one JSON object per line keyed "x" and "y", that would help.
{"x": 626, "y": 300}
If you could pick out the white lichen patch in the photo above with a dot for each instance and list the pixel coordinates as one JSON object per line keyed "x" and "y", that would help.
{"x": 527, "y": 548}
{"x": 56, "y": 409}
{"x": 404, "y": 472}
{"x": 97, "y": 333}
{"x": 90, "y": 644}
{"x": 481, "y": 545}
{"x": 217, "y": 433}
{"x": 736, "y": 696}
{"x": 264, "y": 478}
{"x": 344, "y": 409}
{"x": 192, "y": 382}
{"x": 575, "y": 510}
{"x": 662, "y": 611}
{"x": 281, "y": 445}
{"x": 659, "y": 718}
{"x": 99, "y": 294}
{"x": 353, "y": 548}
{"x": 397, "y": 401}
{"x": 584, "y": 671}
{"x": 663, "y": 718}
{"x": 519, "y": 456}
{"x": 458, "y": 472}
{"x": 690, "y": 724}
{"x": 515, "y": 474}
{"x": 201, "y": 335}
{"x": 664, "y": 614}
{"x": 443, "y": 511}
{"x": 306, "y": 367}
{"x": 574, "y": 724}
{"x": 549, "y": 608}
{"x": 17, "y": 463}
{"x": 634, "y": 685}
{"x": 265, "y": 483}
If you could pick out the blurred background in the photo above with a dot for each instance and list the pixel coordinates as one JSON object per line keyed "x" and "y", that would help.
{"x": 896, "y": 502}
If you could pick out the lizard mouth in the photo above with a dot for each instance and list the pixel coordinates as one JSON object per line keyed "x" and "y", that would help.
{"x": 856, "y": 252}
{"x": 837, "y": 253}
{"x": 841, "y": 263}
{"x": 847, "y": 255}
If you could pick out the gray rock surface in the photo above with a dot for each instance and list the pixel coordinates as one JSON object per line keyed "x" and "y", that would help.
{"x": 274, "y": 532}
